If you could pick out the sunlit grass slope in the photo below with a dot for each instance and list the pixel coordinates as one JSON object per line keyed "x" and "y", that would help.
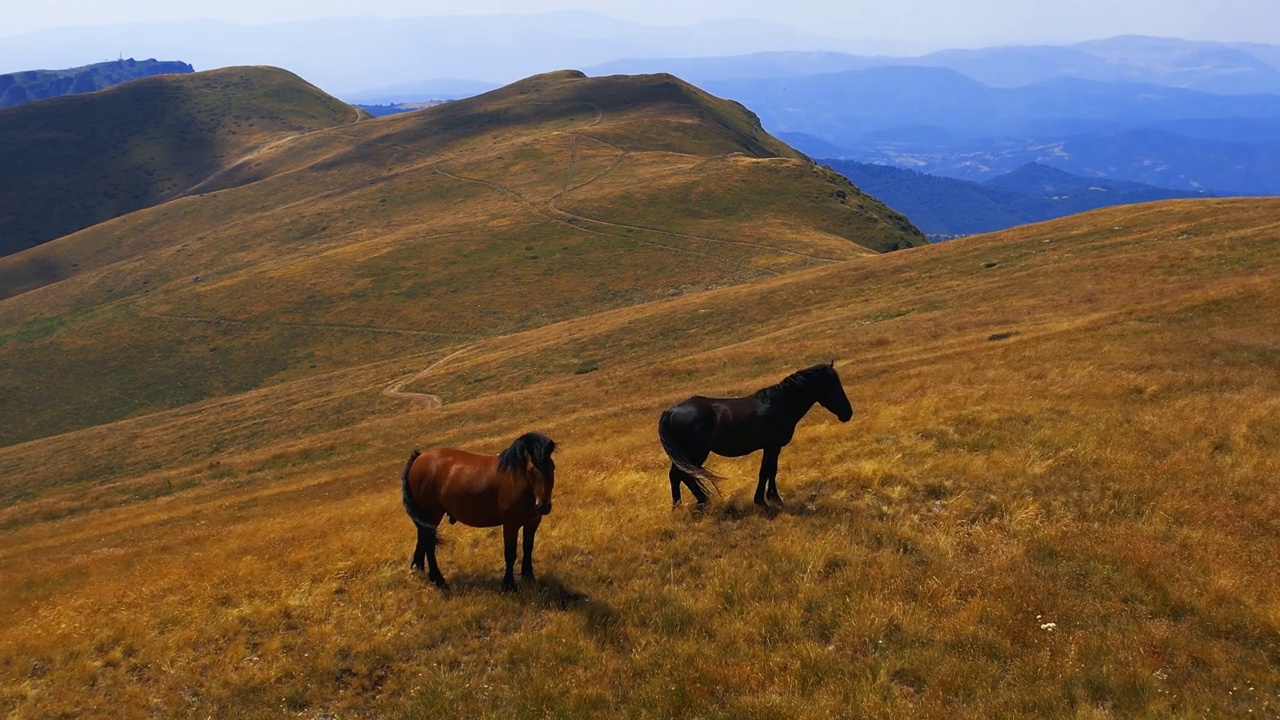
{"x": 74, "y": 161}
{"x": 1057, "y": 498}
{"x": 556, "y": 197}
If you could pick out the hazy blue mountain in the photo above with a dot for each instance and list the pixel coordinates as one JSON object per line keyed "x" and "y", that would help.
{"x": 841, "y": 107}
{"x": 1032, "y": 193}
{"x": 1012, "y": 66}
{"x": 1269, "y": 54}
{"x": 347, "y": 56}
{"x": 1221, "y": 68}
{"x": 940, "y": 205}
{"x": 1210, "y": 66}
{"x": 939, "y": 121}
{"x": 27, "y": 86}
{"x": 1240, "y": 130}
{"x": 700, "y": 70}
{"x": 1153, "y": 157}
{"x": 1044, "y": 181}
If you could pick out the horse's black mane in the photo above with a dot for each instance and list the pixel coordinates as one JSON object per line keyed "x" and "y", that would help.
{"x": 801, "y": 381}
{"x": 535, "y": 445}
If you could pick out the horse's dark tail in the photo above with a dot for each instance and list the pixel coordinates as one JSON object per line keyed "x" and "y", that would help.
{"x": 698, "y": 475}
{"x": 407, "y": 497}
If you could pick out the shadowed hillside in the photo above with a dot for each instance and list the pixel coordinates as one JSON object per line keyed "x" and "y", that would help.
{"x": 1057, "y": 497}
{"x": 553, "y": 198}
{"x": 74, "y": 161}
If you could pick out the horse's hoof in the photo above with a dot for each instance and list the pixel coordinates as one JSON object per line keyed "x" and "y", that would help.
{"x": 509, "y": 588}
{"x": 438, "y": 581}
{"x": 760, "y": 501}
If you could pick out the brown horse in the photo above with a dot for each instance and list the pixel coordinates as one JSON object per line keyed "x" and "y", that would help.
{"x": 732, "y": 427}
{"x": 511, "y": 489}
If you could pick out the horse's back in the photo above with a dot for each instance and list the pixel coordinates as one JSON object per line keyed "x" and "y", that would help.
{"x": 436, "y": 467}
{"x": 726, "y": 426}
{"x": 460, "y": 483}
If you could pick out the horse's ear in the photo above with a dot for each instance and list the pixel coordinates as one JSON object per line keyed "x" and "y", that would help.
{"x": 832, "y": 363}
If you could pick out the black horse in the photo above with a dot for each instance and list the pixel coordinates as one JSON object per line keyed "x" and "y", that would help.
{"x": 734, "y": 427}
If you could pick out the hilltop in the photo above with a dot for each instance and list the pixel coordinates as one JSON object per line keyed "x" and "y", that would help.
{"x": 315, "y": 248}
{"x": 74, "y": 161}
{"x": 1058, "y": 496}
{"x": 26, "y": 86}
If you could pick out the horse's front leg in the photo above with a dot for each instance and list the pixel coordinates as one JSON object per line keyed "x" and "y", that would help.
{"x": 768, "y": 475}
{"x": 509, "y": 533}
{"x": 773, "y": 476}
{"x": 526, "y": 564}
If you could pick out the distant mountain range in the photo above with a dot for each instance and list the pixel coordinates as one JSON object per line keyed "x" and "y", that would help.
{"x": 1221, "y": 68}
{"x": 1189, "y": 116}
{"x": 30, "y": 85}
{"x": 942, "y": 206}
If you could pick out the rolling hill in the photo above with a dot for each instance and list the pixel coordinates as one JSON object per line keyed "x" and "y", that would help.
{"x": 1057, "y": 495}
{"x": 312, "y": 247}
{"x": 77, "y": 160}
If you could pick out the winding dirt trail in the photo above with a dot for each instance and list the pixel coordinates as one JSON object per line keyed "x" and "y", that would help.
{"x": 423, "y": 400}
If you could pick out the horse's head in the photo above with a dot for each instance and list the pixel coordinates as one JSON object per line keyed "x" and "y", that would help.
{"x": 530, "y": 457}
{"x": 831, "y": 393}
{"x": 541, "y": 469}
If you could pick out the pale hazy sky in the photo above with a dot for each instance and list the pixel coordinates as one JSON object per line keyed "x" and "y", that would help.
{"x": 939, "y": 23}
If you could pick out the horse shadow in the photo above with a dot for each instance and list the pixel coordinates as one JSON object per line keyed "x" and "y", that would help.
{"x": 547, "y": 592}
{"x": 805, "y": 502}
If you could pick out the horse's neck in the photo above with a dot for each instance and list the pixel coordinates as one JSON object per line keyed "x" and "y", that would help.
{"x": 795, "y": 404}
{"x": 512, "y": 485}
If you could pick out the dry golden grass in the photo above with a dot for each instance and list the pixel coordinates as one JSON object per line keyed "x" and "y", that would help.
{"x": 1058, "y": 497}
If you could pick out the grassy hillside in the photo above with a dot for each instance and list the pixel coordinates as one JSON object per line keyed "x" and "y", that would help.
{"x": 1058, "y": 497}
{"x": 554, "y": 198}
{"x": 74, "y": 161}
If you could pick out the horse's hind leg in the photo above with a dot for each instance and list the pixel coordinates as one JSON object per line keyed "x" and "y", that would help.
{"x": 768, "y": 477}
{"x": 695, "y": 488}
{"x": 679, "y": 476}
{"x": 427, "y": 547}
{"x": 420, "y": 550}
